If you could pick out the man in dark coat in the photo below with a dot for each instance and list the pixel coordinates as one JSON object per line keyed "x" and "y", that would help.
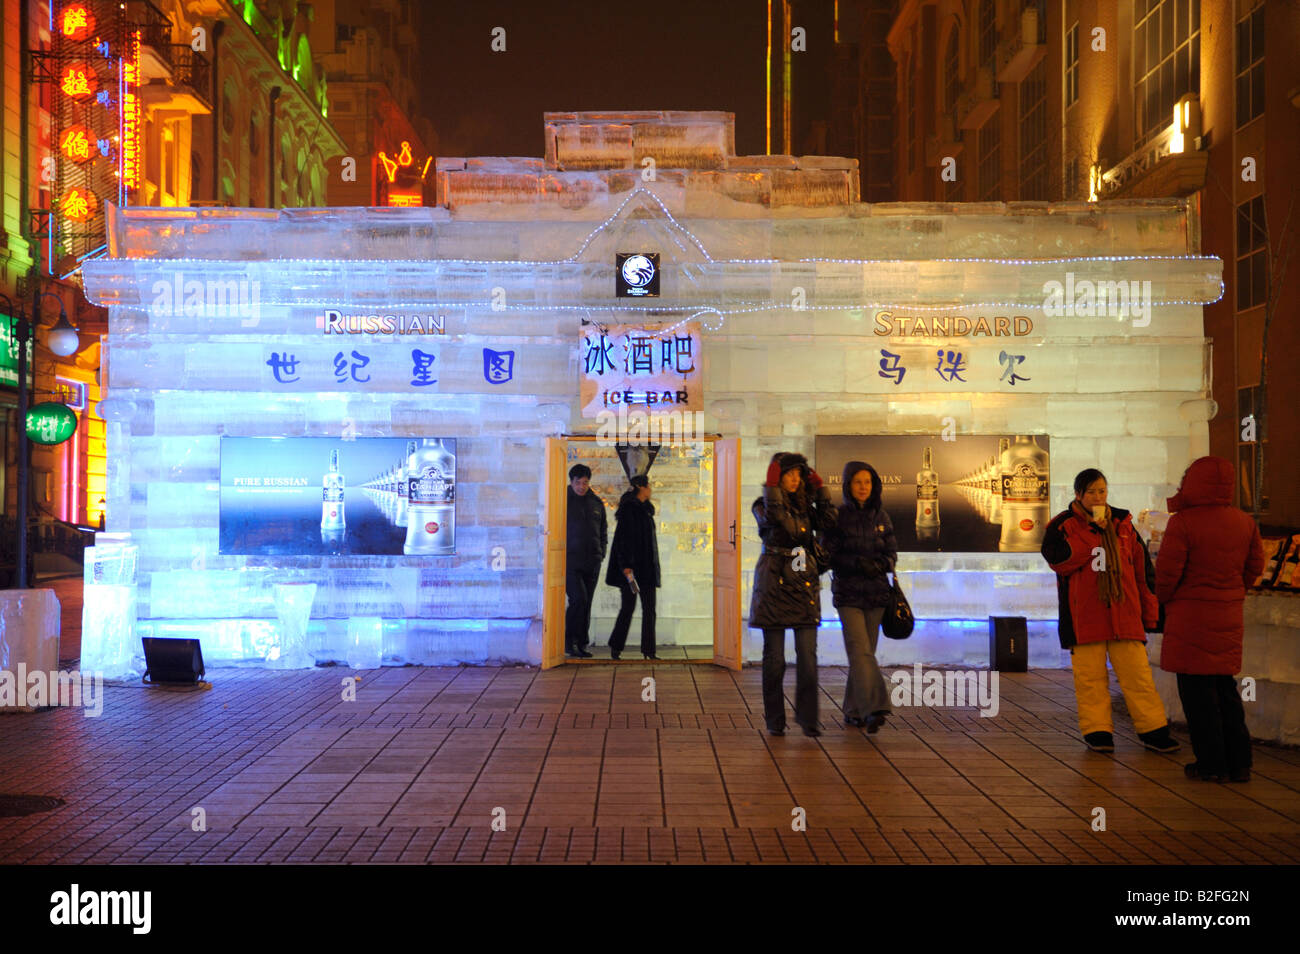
{"x": 585, "y": 544}
{"x": 794, "y": 509}
{"x": 634, "y": 566}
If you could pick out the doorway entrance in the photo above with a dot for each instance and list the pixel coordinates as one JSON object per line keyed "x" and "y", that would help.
{"x": 719, "y": 506}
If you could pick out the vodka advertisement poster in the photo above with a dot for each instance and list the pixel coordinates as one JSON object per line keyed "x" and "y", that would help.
{"x": 375, "y": 496}
{"x": 974, "y": 494}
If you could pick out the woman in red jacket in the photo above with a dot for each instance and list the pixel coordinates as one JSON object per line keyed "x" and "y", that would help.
{"x": 1211, "y": 552}
{"x": 1106, "y": 609}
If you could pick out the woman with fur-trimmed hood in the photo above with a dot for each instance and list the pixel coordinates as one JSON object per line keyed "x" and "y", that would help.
{"x": 794, "y": 509}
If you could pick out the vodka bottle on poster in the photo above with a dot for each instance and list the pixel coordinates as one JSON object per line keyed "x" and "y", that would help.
{"x": 331, "y": 511}
{"x": 1025, "y": 498}
{"x": 927, "y": 496}
{"x": 403, "y": 489}
{"x": 431, "y": 500}
{"x": 331, "y": 539}
{"x": 995, "y": 483}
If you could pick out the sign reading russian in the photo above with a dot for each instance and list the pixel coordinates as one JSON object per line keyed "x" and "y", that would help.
{"x": 642, "y": 367}
{"x": 50, "y": 423}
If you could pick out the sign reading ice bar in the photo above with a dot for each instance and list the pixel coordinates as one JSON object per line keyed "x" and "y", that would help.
{"x": 640, "y": 366}
{"x": 636, "y": 275}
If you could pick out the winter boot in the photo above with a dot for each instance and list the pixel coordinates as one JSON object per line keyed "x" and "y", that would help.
{"x": 1100, "y": 741}
{"x": 1159, "y": 740}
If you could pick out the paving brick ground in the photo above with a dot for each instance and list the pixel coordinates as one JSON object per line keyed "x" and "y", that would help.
{"x": 285, "y": 770}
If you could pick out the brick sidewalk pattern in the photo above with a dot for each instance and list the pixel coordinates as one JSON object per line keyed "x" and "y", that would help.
{"x": 285, "y": 770}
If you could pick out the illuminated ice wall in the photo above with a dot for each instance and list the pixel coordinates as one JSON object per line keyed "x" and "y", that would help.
{"x": 219, "y": 326}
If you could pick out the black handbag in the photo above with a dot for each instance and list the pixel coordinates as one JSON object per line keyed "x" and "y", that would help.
{"x": 821, "y": 557}
{"x": 898, "y": 620}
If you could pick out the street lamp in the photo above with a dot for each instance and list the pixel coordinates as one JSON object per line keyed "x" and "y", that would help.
{"x": 64, "y": 341}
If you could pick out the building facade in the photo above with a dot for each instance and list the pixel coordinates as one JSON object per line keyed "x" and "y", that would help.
{"x": 490, "y": 325}
{"x": 1033, "y": 101}
{"x": 226, "y": 103}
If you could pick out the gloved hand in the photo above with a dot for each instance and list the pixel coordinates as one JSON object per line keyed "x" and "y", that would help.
{"x": 774, "y": 474}
{"x": 814, "y": 481}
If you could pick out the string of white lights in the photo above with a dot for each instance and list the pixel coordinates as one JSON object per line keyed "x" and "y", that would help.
{"x": 438, "y": 262}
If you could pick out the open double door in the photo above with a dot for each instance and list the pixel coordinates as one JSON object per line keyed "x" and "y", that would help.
{"x": 728, "y": 624}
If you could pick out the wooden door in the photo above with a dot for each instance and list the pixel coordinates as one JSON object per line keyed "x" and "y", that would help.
{"x": 728, "y": 621}
{"x": 557, "y": 500}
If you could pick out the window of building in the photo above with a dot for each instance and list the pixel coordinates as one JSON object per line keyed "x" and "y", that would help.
{"x": 169, "y": 161}
{"x": 990, "y": 158}
{"x": 1248, "y": 410}
{"x": 1071, "y": 65}
{"x": 1033, "y": 134}
{"x": 1166, "y": 60}
{"x": 254, "y": 135}
{"x": 1252, "y": 254}
{"x": 988, "y": 34}
{"x": 1250, "y": 66}
{"x": 909, "y": 87}
{"x": 1071, "y": 188}
{"x": 950, "y": 64}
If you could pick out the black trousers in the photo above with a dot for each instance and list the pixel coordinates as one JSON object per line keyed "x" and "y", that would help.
{"x": 580, "y": 586}
{"x": 627, "y": 604}
{"x": 1216, "y": 722}
{"x": 805, "y": 685}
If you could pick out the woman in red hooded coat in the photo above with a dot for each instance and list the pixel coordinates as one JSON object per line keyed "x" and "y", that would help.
{"x": 1210, "y": 554}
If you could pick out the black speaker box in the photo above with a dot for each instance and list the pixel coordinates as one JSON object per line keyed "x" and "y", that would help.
{"x": 1008, "y": 644}
{"x": 172, "y": 660}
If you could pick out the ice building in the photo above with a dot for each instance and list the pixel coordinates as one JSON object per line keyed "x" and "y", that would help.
{"x": 274, "y": 374}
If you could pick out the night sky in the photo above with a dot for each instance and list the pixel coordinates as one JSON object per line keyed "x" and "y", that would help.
{"x": 570, "y": 55}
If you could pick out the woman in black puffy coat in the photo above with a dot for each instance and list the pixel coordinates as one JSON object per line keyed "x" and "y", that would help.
{"x": 862, "y": 551}
{"x": 794, "y": 509}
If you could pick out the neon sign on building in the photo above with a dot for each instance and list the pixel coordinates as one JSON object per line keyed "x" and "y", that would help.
{"x": 97, "y": 121}
{"x": 401, "y": 171}
{"x": 76, "y": 22}
{"x": 131, "y": 113}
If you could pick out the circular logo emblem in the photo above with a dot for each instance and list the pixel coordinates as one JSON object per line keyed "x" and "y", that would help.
{"x": 927, "y": 511}
{"x": 431, "y": 527}
{"x": 638, "y": 271}
{"x": 1026, "y": 525}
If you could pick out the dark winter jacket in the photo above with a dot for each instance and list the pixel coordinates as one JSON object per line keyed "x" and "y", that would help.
{"x": 634, "y": 543}
{"x": 1210, "y": 554}
{"x": 861, "y": 546}
{"x": 783, "y": 595}
{"x": 587, "y": 537}
{"x": 1069, "y": 542}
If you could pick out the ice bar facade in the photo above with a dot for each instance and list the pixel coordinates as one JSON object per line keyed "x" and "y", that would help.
{"x": 806, "y": 303}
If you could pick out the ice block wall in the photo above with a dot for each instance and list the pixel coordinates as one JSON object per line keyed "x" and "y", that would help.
{"x": 788, "y": 272}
